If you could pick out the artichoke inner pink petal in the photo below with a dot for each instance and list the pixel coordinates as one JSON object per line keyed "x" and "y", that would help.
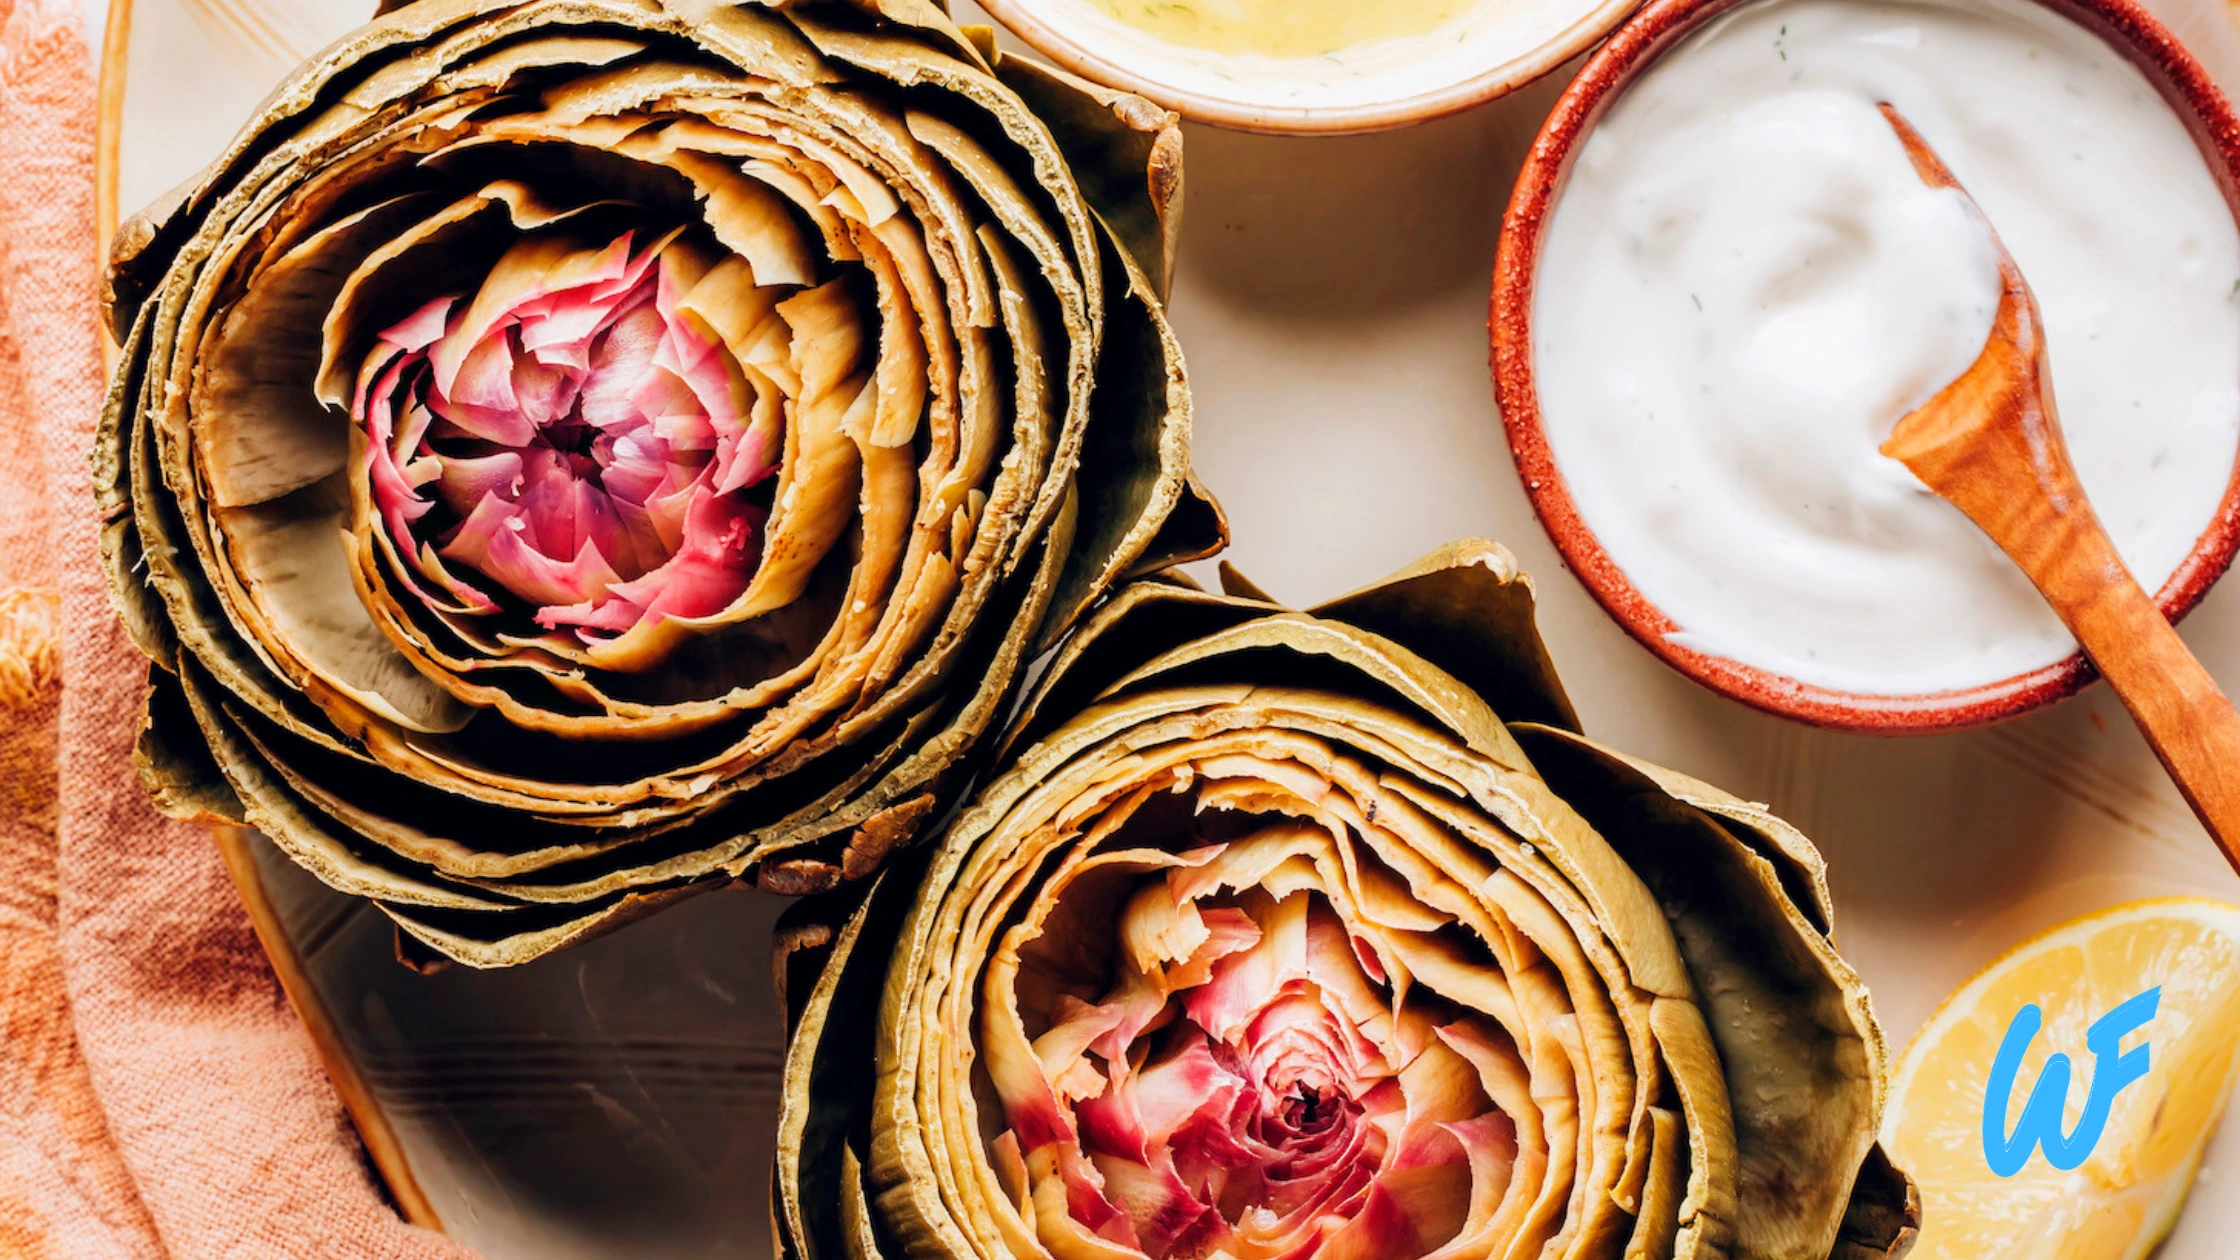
{"x": 1253, "y": 1085}
{"x": 573, "y": 438}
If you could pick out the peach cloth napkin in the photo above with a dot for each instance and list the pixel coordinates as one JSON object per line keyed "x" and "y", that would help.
{"x": 157, "y": 1096}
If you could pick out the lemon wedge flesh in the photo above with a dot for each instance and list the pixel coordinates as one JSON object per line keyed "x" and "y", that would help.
{"x": 2125, "y": 1196}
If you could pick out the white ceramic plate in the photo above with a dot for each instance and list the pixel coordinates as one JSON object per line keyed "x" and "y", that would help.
{"x": 1332, "y": 298}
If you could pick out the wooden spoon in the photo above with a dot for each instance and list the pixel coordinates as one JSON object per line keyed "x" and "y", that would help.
{"x": 1990, "y": 444}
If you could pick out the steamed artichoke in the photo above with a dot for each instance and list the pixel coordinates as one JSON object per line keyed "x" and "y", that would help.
{"x": 1327, "y": 935}
{"x": 568, "y": 453}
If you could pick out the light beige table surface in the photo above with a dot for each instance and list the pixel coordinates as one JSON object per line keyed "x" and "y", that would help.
{"x": 1332, "y": 301}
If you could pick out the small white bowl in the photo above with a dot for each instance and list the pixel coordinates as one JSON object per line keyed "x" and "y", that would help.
{"x": 1489, "y": 49}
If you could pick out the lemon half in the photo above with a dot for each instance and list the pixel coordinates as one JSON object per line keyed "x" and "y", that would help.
{"x": 2126, "y": 1195}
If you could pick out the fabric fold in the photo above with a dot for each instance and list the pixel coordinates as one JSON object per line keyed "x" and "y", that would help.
{"x": 157, "y": 1096}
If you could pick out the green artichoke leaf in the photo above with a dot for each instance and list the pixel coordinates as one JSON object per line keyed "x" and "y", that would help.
{"x": 1797, "y": 1040}
{"x": 1126, "y": 151}
{"x": 175, "y": 765}
{"x": 1468, "y": 609}
{"x": 829, "y": 1004}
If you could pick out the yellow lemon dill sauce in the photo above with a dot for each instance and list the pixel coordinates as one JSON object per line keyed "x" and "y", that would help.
{"x": 1283, "y": 28}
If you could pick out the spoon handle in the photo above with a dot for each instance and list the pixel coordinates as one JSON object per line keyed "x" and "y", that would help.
{"x": 2059, "y": 542}
{"x": 2185, "y": 716}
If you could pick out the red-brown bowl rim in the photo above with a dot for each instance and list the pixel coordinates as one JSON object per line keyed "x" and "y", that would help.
{"x": 1660, "y": 24}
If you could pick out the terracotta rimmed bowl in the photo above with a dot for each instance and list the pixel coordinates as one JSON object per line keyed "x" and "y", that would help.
{"x": 1490, "y": 49}
{"x": 1659, "y": 26}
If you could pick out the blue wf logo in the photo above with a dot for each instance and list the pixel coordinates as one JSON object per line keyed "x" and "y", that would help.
{"x": 2113, "y": 1068}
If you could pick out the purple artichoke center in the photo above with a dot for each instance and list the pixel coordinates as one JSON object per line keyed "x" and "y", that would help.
{"x": 1260, "y": 1089}
{"x": 573, "y": 435}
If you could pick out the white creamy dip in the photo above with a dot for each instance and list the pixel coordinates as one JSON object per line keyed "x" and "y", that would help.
{"x": 1744, "y": 285}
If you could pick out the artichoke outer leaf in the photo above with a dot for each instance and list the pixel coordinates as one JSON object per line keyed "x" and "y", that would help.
{"x": 175, "y": 764}
{"x": 1468, "y": 609}
{"x": 1797, "y": 1040}
{"x": 1884, "y": 1218}
{"x": 1135, "y": 462}
{"x": 830, "y": 1008}
{"x": 1236, "y": 585}
{"x": 1131, "y": 150}
{"x": 487, "y": 941}
{"x": 124, "y": 557}
{"x": 1142, "y": 621}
